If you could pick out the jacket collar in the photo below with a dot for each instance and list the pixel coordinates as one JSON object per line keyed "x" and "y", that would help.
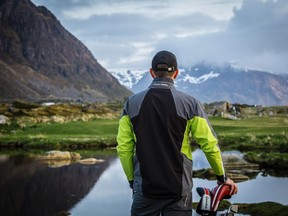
{"x": 162, "y": 83}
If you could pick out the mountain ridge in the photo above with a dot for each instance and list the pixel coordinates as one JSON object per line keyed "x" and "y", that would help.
{"x": 40, "y": 59}
{"x": 210, "y": 83}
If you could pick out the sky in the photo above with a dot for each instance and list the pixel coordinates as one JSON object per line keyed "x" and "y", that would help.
{"x": 126, "y": 34}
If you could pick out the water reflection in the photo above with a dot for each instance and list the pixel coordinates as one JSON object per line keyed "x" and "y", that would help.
{"x": 111, "y": 195}
{"x": 200, "y": 161}
{"x": 261, "y": 187}
{"x": 30, "y": 188}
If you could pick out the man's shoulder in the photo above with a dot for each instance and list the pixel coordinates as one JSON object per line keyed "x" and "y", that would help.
{"x": 137, "y": 95}
{"x": 185, "y": 96}
{"x": 187, "y": 106}
{"x": 136, "y": 98}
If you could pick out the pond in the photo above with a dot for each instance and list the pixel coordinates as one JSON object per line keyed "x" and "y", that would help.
{"x": 31, "y": 188}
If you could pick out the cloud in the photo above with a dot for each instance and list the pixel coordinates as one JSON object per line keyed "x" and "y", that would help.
{"x": 113, "y": 37}
{"x": 127, "y": 33}
{"x": 156, "y": 9}
{"x": 256, "y": 37}
{"x": 259, "y": 31}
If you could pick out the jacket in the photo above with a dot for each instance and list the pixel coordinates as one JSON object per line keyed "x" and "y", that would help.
{"x": 154, "y": 140}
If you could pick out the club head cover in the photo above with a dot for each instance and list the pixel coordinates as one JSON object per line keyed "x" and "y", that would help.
{"x": 219, "y": 193}
{"x": 204, "y": 205}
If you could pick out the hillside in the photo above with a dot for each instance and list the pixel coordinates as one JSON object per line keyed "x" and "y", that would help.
{"x": 41, "y": 60}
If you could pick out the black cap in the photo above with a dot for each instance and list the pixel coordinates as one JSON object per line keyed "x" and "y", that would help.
{"x": 167, "y": 58}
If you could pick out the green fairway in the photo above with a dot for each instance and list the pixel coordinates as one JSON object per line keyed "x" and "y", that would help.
{"x": 79, "y": 132}
{"x": 273, "y": 125}
{"x": 96, "y": 128}
{"x": 257, "y": 130}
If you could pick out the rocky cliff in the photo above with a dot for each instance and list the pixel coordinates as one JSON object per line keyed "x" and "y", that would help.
{"x": 41, "y": 60}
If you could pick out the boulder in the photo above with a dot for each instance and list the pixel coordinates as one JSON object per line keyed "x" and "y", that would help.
{"x": 210, "y": 175}
{"x": 3, "y": 119}
{"x": 59, "y": 155}
{"x": 55, "y": 163}
{"x": 90, "y": 161}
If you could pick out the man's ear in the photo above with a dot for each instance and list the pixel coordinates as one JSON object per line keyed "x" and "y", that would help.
{"x": 152, "y": 73}
{"x": 175, "y": 74}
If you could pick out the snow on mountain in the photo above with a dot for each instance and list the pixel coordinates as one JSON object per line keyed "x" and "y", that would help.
{"x": 128, "y": 78}
{"x": 197, "y": 80}
{"x": 210, "y": 83}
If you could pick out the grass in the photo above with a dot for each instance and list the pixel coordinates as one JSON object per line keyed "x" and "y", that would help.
{"x": 258, "y": 133}
{"x": 247, "y": 134}
{"x": 269, "y": 160}
{"x": 253, "y": 126}
{"x": 94, "y": 132}
{"x": 263, "y": 139}
{"x": 255, "y": 209}
{"x": 264, "y": 209}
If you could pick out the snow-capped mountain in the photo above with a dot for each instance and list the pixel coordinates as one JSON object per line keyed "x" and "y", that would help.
{"x": 210, "y": 83}
{"x": 128, "y": 78}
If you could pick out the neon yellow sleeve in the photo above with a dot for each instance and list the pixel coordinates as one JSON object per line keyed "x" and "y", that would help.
{"x": 204, "y": 137}
{"x": 126, "y": 145}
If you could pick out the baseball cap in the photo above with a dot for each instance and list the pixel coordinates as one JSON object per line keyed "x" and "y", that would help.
{"x": 167, "y": 58}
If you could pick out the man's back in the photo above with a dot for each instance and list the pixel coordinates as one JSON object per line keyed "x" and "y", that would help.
{"x": 154, "y": 146}
{"x": 159, "y": 132}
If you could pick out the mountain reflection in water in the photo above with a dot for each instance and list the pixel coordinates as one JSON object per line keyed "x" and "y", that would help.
{"x": 30, "y": 188}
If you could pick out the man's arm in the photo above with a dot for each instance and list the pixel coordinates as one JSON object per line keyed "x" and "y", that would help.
{"x": 204, "y": 136}
{"x": 125, "y": 147}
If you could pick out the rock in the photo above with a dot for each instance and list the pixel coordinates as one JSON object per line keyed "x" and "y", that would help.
{"x": 210, "y": 175}
{"x": 21, "y": 104}
{"x": 4, "y": 158}
{"x": 241, "y": 166}
{"x": 90, "y": 161}
{"x": 58, "y": 119}
{"x": 3, "y": 119}
{"x": 59, "y": 155}
{"x": 55, "y": 163}
{"x": 237, "y": 177}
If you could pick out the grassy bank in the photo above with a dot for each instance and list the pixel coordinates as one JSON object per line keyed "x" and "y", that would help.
{"x": 254, "y": 126}
{"x": 263, "y": 209}
{"x": 263, "y": 139}
{"x": 261, "y": 133}
{"x": 90, "y": 125}
{"x": 93, "y": 133}
{"x": 269, "y": 133}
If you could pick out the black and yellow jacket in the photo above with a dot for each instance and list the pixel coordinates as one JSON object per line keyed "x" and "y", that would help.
{"x": 154, "y": 139}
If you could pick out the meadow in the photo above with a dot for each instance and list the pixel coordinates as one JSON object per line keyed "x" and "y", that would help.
{"x": 263, "y": 139}
{"x": 260, "y": 132}
{"x": 269, "y": 132}
{"x": 78, "y": 134}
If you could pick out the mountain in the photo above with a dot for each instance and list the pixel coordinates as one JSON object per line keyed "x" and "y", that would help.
{"x": 210, "y": 83}
{"x": 41, "y": 60}
{"x": 127, "y": 77}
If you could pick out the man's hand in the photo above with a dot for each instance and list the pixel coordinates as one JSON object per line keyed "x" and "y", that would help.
{"x": 131, "y": 184}
{"x": 233, "y": 185}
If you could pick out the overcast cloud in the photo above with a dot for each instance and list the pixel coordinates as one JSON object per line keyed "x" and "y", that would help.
{"x": 127, "y": 33}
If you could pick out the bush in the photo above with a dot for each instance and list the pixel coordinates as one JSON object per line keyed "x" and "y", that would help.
{"x": 9, "y": 128}
{"x": 268, "y": 159}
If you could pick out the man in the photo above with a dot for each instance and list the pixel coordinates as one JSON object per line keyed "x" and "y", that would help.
{"x": 154, "y": 144}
